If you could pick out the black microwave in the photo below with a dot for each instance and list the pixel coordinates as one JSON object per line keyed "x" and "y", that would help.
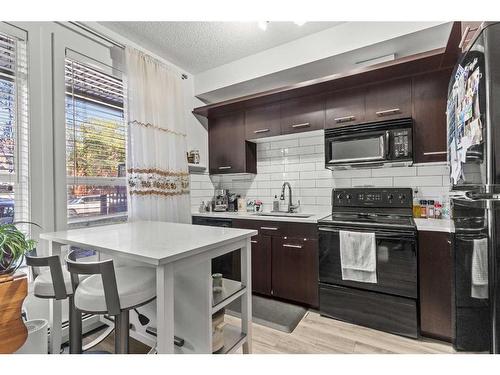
{"x": 387, "y": 143}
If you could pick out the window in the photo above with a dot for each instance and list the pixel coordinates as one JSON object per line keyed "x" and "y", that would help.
{"x": 95, "y": 145}
{"x": 14, "y": 142}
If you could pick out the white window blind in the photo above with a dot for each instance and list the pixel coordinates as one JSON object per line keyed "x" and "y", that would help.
{"x": 95, "y": 145}
{"x": 14, "y": 141}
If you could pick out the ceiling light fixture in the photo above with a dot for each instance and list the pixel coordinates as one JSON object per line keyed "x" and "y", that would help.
{"x": 299, "y": 23}
{"x": 262, "y": 25}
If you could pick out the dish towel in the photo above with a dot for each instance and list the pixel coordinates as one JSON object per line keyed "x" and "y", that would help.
{"x": 479, "y": 269}
{"x": 358, "y": 256}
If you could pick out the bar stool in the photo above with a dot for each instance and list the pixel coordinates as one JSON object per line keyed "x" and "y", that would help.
{"x": 111, "y": 291}
{"x": 55, "y": 283}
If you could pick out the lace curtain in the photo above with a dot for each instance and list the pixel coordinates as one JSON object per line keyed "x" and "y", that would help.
{"x": 157, "y": 171}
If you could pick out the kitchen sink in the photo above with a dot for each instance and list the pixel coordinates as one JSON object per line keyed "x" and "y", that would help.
{"x": 283, "y": 214}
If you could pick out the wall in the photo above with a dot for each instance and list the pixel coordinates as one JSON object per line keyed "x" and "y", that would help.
{"x": 300, "y": 161}
{"x": 342, "y": 38}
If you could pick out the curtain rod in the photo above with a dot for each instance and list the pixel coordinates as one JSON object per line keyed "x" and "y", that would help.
{"x": 106, "y": 38}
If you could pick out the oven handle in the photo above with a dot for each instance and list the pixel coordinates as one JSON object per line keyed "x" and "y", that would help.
{"x": 378, "y": 235}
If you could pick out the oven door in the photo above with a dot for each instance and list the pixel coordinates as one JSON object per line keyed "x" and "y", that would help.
{"x": 357, "y": 148}
{"x": 396, "y": 261}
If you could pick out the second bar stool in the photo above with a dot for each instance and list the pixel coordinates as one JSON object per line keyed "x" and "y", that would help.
{"x": 110, "y": 291}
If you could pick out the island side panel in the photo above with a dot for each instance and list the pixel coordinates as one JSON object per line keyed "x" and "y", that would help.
{"x": 246, "y": 303}
{"x": 193, "y": 306}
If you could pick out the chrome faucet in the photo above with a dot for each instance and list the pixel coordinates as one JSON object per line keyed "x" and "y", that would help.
{"x": 291, "y": 206}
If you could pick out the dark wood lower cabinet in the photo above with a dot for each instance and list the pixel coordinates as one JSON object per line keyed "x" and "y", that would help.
{"x": 295, "y": 269}
{"x": 435, "y": 274}
{"x": 284, "y": 260}
{"x": 261, "y": 264}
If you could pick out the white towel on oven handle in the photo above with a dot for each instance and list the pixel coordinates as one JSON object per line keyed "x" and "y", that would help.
{"x": 358, "y": 256}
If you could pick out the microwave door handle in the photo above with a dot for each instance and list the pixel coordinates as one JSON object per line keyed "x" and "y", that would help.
{"x": 386, "y": 145}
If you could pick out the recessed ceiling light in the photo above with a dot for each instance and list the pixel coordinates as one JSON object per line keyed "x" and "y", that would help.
{"x": 299, "y": 23}
{"x": 262, "y": 25}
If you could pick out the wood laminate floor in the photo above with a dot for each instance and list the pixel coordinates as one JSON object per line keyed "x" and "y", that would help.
{"x": 316, "y": 334}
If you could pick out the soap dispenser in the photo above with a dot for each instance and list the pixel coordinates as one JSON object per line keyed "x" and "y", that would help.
{"x": 276, "y": 204}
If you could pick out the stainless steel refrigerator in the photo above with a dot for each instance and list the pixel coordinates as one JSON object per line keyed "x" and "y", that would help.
{"x": 473, "y": 120}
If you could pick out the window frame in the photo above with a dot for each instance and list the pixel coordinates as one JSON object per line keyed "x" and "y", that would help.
{"x": 19, "y": 178}
{"x": 96, "y": 181}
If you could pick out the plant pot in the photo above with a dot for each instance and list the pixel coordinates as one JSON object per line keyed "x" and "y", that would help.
{"x": 8, "y": 264}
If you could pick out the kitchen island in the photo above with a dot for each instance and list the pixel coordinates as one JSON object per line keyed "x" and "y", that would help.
{"x": 181, "y": 254}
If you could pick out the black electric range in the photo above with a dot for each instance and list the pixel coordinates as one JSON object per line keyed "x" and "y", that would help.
{"x": 390, "y": 304}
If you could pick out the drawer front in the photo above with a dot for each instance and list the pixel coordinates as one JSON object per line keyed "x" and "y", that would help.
{"x": 374, "y": 310}
{"x": 265, "y": 228}
{"x": 279, "y": 228}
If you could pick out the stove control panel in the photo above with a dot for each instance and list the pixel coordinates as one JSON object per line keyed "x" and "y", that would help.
{"x": 372, "y": 197}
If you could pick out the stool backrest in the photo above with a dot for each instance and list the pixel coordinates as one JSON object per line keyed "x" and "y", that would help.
{"x": 54, "y": 264}
{"x": 107, "y": 272}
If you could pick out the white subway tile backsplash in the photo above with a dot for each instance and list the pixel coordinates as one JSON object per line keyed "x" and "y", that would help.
{"x": 349, "y": 173}
{"x": 311, "y": 141}
{"x": 372, "y": 181}
{"x": 418, "y": 181}
{"x": 394, "y": 172}
{"x": 285, "y": 176}
{"x": 300, "y": 167}
{"x": 300, "y": 161}
{"x": 434, "y": 170}
{"x": 270, "y": 168}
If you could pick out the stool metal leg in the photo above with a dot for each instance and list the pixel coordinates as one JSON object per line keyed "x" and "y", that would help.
{"x": 75, "y": 328}
{"x": 122, "y": 332}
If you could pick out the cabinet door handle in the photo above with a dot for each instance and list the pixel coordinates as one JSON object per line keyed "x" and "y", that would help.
{"x": 388, "y": 112}
{"x": 269, "y": 228}
{"x": 261, "y": 131}
{"x": 435, "y": 153}
{"x": 254, "y": 241}
{"x": 292, "y": 246}
{"x": 225, "y": 167}
{"x": 464, "y": 36}
{"x": 344, "y": 119}
{"x": 304, "y": 125}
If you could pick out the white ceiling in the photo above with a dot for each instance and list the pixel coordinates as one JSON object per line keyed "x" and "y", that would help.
{"x": 199, "y": 46}
{"x": 422, "y": 41}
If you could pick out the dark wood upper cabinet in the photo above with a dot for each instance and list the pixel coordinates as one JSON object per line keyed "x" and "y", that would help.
{"x": 344, "y": 108}
{"x": 228, "y": 150}
{"x": 388, "y": 100}
{"x": 435, "y": 275}
{"x": 302, "y": 114}
{"x": 430, "y": 93}
{"x": 263, "y": 121}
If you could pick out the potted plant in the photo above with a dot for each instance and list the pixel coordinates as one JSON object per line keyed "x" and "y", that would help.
{"x": 13, "y": 246}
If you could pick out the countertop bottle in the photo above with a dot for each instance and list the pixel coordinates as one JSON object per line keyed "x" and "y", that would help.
{"x": 438, "y": 210}
{"x": 423, "y": 208}
{"x": 416, "y": 207}
{"x": 430, "y": 209}
{"x": 276, "y": 204}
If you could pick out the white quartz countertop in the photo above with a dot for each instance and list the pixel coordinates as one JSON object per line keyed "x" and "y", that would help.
{"x": 151, "y": 242}
{"x": 315, "y": 216}
{"x": 435, "y": 225}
